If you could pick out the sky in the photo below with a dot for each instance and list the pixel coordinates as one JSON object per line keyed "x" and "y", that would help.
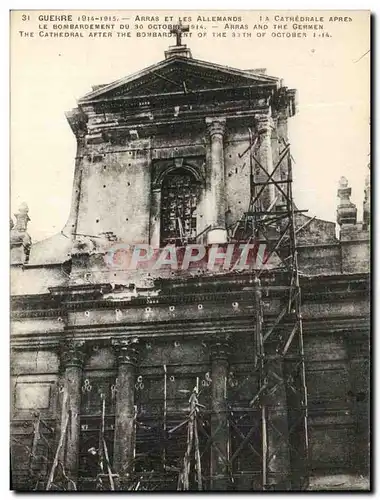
{"x": 329, "y": 135}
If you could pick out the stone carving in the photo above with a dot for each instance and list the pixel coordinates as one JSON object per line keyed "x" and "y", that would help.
{"x": 264, "y": 123}
{"x": 220, "y": 346}
{"x": 19, "y": 238}
{"x": 216, "y": 126}
{"x": 347, "y": 211}
{"x": 73, "y": 353}
{"x": 126, "y": 350}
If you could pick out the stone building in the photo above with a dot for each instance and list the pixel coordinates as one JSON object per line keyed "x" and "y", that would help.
{"x": 162, "y": 159}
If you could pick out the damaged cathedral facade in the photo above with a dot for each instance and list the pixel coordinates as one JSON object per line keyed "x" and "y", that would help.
{"x": 205, "y": 378}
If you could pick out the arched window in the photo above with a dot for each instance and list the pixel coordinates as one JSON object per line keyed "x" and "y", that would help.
{"x": 179, "y": 198}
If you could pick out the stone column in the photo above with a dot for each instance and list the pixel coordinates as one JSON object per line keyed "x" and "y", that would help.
{"x": 124, "y": 441}
{"x": 72, "y": 360}
{"x": 265, "y": 157}
{"x": 219, "y": 350}
{"x": 216, "y": 195}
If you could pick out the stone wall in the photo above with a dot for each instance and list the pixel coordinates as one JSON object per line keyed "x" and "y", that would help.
{"x": 336, "y": 353}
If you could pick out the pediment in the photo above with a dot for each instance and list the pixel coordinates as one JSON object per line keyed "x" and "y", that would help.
{"x": 178, "y": 75}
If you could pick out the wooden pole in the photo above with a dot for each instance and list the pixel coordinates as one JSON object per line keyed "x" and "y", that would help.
{"x": 264, "y": 446}
{"x": 197, "y": 455}
{"x": 60, "y": 446}
{"x": 36, "y": 437}
{"x": 112, "y": 485}
{"x": 165, "y": 416}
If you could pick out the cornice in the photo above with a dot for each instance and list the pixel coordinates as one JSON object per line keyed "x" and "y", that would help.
{"x": 38, "y": 313}
{"x": 339, "y": 288}
{"x": 355, "y": 329}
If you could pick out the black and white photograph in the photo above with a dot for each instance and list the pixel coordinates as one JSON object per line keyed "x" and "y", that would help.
{"x": 190, "y": 246}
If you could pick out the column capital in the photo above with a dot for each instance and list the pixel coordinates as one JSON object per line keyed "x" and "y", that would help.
{"x": 215, "y": 125}
{"x": 220, "y": 346}
{"x": 264, "y": 123}
{"x": 126, "y": 350}
{"x": 73, "y": 353}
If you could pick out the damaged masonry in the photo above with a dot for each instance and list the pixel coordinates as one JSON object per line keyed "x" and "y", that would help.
{"x": 129, "y": 375}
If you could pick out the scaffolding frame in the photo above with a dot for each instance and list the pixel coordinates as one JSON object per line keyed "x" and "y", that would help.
{"x": 37, "y": 476}
{"x": 279, "y": 351}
